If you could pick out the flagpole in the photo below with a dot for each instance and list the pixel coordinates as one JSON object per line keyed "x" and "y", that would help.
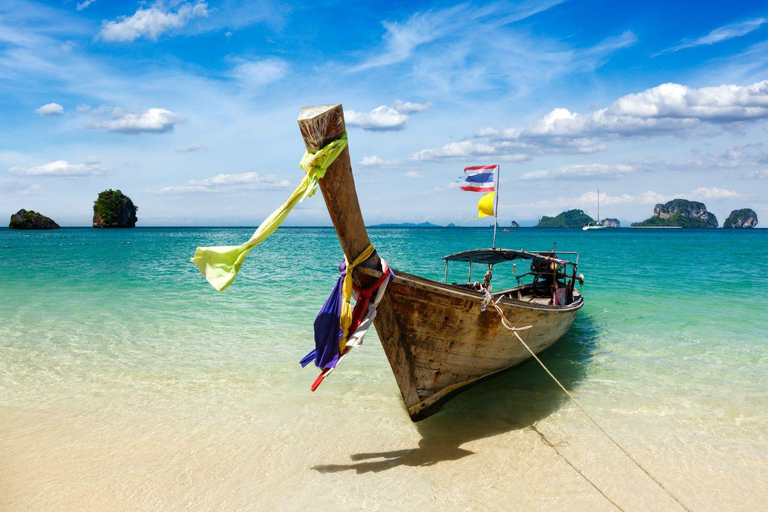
{"x": 496, "y": 208}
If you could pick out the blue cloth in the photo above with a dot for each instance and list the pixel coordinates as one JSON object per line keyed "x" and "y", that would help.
{"x": 327, "y": 330}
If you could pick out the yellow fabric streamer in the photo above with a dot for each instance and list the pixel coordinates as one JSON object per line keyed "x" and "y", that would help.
{"x": 485, "y": 205}
{"x": 346, "y": 296}
{"x": 220, "y": 264}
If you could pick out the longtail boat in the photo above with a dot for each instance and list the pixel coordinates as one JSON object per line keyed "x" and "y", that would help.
{"x": 441, "y": 338}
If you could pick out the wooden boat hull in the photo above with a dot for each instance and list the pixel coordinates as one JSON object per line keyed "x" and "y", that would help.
{"x": 439, "y": 341}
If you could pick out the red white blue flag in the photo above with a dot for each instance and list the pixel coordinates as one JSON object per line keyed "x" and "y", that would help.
{"x": 479, "y": 178}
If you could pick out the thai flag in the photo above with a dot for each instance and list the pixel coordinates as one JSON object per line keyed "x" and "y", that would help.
{"x": 479, "y": 178}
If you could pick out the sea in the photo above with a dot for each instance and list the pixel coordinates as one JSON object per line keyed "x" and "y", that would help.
{"x": 128, "y": 383}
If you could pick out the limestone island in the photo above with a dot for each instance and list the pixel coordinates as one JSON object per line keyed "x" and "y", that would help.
{"x": 679, "y": 213}
{"x": 24, "y": 219}
{"x": 611, "y": 223}
{"x": 569, "y": 219}
{"x": 514, "y": 224}
{"x": 113, "y": 209}
{"x": 744, "y": 218}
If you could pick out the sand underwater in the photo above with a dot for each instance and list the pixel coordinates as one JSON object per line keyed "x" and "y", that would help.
{"x": 128, "y": 383}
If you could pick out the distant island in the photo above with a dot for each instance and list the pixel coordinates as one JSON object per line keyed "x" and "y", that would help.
{"x": 744, "y": 218}
{"x": 113, "y": 209}
{"x": 409, "y": 225}
{"x": 30, "y": 219}
{"x": 611, "y": 223}
{"x": 680, "y": 213}
{"x": 569, "y": 219}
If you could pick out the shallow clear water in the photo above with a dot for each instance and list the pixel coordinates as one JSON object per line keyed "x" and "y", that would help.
{"x": 124, "y": 376}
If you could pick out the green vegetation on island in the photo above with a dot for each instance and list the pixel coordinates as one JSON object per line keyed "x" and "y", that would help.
{"x": 569, "y": 219}
{"x": 30, "y": 219}
{"x": 680, "y": 213}
{"x": 113, "y": 209}
{"x": 744, "y": 218}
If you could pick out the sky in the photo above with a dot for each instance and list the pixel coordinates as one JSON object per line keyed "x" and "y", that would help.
{"x": 190, "y": 107}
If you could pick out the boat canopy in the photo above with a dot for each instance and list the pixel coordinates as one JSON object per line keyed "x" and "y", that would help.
{"x": 494, "y": 256}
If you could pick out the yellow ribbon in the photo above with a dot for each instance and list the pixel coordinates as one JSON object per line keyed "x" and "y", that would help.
{"x": 345, "y": 319}
{"x": 221, "y": 264}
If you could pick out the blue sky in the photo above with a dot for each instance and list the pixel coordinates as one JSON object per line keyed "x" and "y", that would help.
{"x": 190, "y": 107}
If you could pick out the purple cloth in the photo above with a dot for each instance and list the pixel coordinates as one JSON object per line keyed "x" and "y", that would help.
{"x": 327, "y": 329}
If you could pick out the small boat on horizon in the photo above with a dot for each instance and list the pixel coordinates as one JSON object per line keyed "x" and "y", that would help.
{"x": 595, "y": 225}
{"x": 441, "y": 337}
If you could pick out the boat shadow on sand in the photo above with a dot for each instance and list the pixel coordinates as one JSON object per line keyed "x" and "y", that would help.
{"x": 514, "y": 400}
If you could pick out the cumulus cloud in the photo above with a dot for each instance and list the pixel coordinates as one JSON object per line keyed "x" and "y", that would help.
{"x": 223, "y": 183}
{"x": 666, "y": 109}
{"x": 152, "y": 22}
{"x": 375, "y": 161}
{"x": 385, "y": 118}
{"x": 154, "y": 120}
{"x": 723, "y": 33}
{"x": 464, "y": 149}
{"x": 257, "y": 73}
{"x": 61, "y": 168}
{"x": 50, "y": 109}
{"x": 413, "y": 175}
{"x": 189, "y": 148}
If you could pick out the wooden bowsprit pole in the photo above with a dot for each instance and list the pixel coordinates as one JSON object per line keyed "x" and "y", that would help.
{"x": 321, "y": 125}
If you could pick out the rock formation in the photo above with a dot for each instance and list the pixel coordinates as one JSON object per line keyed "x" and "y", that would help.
{"x": 611, "y": 223}
{"x": 24, "y": 219}
{"x": 744, "y": 218}
{"x": 514, "y": 224}
{"x": 113, "y": 209}
{"x": 680, "y": 213}
{"x": 569, "y": 219}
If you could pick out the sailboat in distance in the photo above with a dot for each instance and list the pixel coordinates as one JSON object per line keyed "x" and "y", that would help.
{"x": 597, "y": 224}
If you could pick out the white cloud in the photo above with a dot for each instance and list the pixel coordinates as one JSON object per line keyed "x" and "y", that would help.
{"x": 459, "y": 150}
{"x": 189, "y": 148}
{"x": 580, "y": 171}
{"x": 408, "y": 107}
{"x": 413, "y": 175}
{"x": 375, "y": 161}
{"x": 84, "y": 5}
{"x": 386, "y": 118}
{"x": 713, "y": 193}
{"x": 50, "y": 109}
{"x": 381, "y": 118}
{"x": 61, "y": 168}
{"x": 253, "y": 74}
{"x": 223, "y": 183}
{"x": 154, "y": 120}
{"x": 152, "y": 22}
{"x": 487, "y": 132}
{"x": 83, "y": 108}
{"x": 666, "y": 109}
{"x": 723, "y": 33}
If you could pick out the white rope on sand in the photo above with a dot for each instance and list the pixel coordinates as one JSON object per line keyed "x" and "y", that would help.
{"x": 514, "y": 330}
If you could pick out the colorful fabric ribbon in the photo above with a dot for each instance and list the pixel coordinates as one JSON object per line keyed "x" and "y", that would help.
{"x": 338, "y": 327}
{"x": 221, "y": 264}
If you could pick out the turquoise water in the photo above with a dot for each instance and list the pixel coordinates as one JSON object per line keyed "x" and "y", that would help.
{"x": 116, "y": 326}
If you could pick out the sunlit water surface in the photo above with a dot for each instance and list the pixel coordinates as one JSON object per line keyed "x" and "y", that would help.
{"x": 128, "y": 383}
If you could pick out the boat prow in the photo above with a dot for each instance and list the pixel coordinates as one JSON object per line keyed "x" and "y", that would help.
{"x": 441, "y": 338}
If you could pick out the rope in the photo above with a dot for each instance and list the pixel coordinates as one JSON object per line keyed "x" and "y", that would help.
{"x": 509, "y": 326}
{"x": 554, "y": 447}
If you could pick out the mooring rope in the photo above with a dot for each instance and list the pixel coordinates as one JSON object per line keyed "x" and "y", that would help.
{"x": 514, "y": 330}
